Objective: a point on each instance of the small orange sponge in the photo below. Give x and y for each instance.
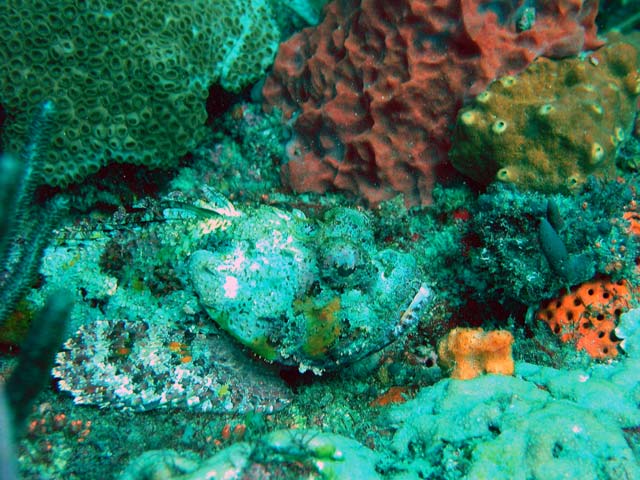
(469, 352)
(588, 316)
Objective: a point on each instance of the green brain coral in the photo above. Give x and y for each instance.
(128, 79)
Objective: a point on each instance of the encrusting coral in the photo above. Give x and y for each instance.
(553, 125)
(469, 352)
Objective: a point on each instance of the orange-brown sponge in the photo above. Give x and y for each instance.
(469, 352)
(588, 316)
(553, 125)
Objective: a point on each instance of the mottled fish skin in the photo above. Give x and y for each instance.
(141, 366)
(315, 295)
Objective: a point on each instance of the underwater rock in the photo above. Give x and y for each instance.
(307, 295)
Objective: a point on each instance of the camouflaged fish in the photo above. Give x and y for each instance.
(314, 295)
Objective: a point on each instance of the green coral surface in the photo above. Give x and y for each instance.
(128, 80)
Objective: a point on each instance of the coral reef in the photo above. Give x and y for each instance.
(470, 352)
(277, 455)
(372, 90)
(552, 125)
(315, 297)
(588, 316)
(129, 80)
(508, 259)
(200, 327)
(543, 423)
